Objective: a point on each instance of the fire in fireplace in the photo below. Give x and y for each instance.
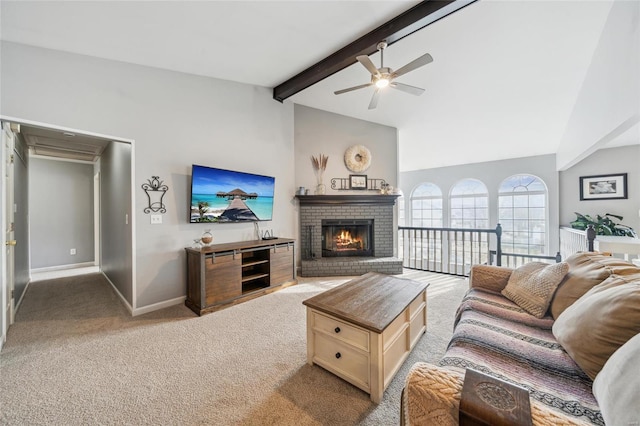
(347, 237)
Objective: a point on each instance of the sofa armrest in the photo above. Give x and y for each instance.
(432, 397)
(489, 277)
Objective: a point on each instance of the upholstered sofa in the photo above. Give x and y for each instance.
(588, 329)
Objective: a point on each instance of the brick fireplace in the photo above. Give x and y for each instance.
(347, 235)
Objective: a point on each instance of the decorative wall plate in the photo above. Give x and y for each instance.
(357, 158)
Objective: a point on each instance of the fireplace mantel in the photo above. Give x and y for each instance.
(377, 199)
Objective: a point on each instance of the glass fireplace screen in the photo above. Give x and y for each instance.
(347, 237)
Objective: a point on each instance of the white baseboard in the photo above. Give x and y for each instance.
(129, 308)
(61, 267)
(149, 308)
(17, 306)
(159, 305)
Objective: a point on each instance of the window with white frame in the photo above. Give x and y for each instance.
(401, 210)
(426, 206)
(522, 212)
(469, 202)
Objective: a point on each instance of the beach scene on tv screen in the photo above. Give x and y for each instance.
(226, 196)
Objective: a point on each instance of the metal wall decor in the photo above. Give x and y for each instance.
(343, 184)
(155, 190)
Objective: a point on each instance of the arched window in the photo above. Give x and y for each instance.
(426, 206)
(522, 212)
(469, 205)
(401, 210)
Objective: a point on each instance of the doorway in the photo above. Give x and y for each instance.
(50, 143)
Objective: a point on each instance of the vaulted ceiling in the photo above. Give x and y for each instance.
(504, 82)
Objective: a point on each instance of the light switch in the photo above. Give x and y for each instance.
(156, 219)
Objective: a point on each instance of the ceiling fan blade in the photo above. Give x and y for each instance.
(349, 89)
(416, 63)
(374, 99)
(366, 62)
(408, 89)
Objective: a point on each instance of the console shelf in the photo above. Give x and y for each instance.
(253, 277)
(222, 275)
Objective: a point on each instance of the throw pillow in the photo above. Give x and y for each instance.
(586, 270)
(532, 285)
(598, 323)
(617, 388)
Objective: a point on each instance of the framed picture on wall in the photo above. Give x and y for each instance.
(357, 181)
(603, 187)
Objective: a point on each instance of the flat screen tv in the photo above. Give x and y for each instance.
(225, 196)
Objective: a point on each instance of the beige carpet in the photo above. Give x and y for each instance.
(75, 357)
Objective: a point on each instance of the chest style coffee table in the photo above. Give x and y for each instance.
(363, 330)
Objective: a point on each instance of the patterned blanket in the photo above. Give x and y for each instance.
(495, 336)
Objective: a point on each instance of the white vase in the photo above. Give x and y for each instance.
(320, 189)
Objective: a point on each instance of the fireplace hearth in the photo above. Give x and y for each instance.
(348, 248)
(347, 237)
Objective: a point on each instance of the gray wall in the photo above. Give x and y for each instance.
(605, 161)
(176, 120)
(492, 173)
(322, 132)
(61, 200)
(115, 217)
(21, 217)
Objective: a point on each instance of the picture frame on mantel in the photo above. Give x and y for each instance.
(358, 182)
(603, 187)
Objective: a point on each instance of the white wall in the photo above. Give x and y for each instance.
(491, 173)
(605, 161)
(609, 100)
(175, 120)
(61, 212)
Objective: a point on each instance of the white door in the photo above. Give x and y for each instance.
(7, 223)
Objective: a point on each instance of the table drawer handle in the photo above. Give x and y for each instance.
(337, 330)
(338, 355)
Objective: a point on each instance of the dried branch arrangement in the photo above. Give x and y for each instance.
(319, 163)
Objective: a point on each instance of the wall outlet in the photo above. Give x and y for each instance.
(72, 252)
(156, 219)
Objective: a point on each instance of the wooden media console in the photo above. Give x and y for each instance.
(221, 275)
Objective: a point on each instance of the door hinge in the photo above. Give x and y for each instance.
(11, 158)
(12, 292)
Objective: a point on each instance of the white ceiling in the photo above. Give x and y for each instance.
(503, 84)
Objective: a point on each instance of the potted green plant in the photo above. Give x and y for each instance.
(603, 225)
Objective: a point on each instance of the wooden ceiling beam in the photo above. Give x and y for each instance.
(414, 19)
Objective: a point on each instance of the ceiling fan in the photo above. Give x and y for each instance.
(384, 77)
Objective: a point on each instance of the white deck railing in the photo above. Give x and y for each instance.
(574, 240)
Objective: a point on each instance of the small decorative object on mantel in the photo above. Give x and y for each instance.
(358, 181)
(155, 190)
(319, 166)
(386, 189)
(603, 187)
(357, 158)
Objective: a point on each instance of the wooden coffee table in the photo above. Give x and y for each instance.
(363, 330)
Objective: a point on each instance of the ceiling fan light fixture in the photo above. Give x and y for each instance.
(384, 77)
(381, 83)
